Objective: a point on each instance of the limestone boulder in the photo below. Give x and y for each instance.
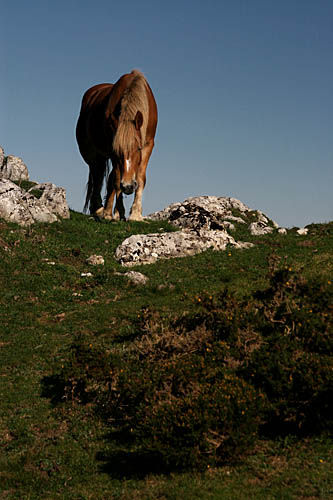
(148, 248)
(16, 205)
(135, 277)
(13, 168)
(43, 202)
(54, 198)
(211, 213)
(260, 228)
(205, 222)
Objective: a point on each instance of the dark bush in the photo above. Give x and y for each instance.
(197, 390)
(293, 365)
(190, 410)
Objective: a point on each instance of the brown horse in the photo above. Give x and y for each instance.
(117, 122)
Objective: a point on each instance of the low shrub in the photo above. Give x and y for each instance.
(199, 389)
(189, 410)
(293, 365)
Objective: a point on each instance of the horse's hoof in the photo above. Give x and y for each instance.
(99, 212)
(135, 218)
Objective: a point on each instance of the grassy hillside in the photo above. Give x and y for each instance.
(62, 334)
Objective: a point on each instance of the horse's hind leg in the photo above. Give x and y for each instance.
(95, 183)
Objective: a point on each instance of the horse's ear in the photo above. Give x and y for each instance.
(138, 120)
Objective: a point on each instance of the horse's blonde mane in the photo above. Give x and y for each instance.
(134, 99)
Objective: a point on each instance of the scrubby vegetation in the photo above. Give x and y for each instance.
(200, 389)
(212, 381)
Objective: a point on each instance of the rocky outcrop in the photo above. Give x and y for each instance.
(148, 248)
(41, 203)
(53, 197)
(205, 222)
(17, 169)
(214, 213)
(22, 207)
(13, 168)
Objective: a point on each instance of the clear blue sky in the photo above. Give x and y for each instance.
(244, 90)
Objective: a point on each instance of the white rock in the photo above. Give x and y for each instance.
(245, 244)
(18, 206)
(260, 228)
(210, 213)
(95, 260)
(204, 222)
(136, 278)
(302, 231)
(229, 225)
(234, 219)
(13, 168)
(54, 198)
(2, 157)
(261, 217)
(147, 248)
(39, 212)
(282, 230)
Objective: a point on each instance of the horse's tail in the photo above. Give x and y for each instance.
(94, 185)
(89, 190)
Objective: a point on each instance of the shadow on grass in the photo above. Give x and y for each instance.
(57, 390)
(118, 464)
(130, 465)
(53, 388)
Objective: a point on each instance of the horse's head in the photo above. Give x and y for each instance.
(128, 149)
(128, 182)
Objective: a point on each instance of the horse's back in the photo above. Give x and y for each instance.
(95, 96)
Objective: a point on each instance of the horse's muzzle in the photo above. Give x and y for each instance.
(128, 188)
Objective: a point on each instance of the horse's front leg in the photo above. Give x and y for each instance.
(119, 209)
(136, 210)
(113, 189)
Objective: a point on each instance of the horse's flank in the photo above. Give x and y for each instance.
(134, 99)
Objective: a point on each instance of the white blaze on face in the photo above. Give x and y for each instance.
(128, 165)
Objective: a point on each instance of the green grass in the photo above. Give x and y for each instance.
(60, 451)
